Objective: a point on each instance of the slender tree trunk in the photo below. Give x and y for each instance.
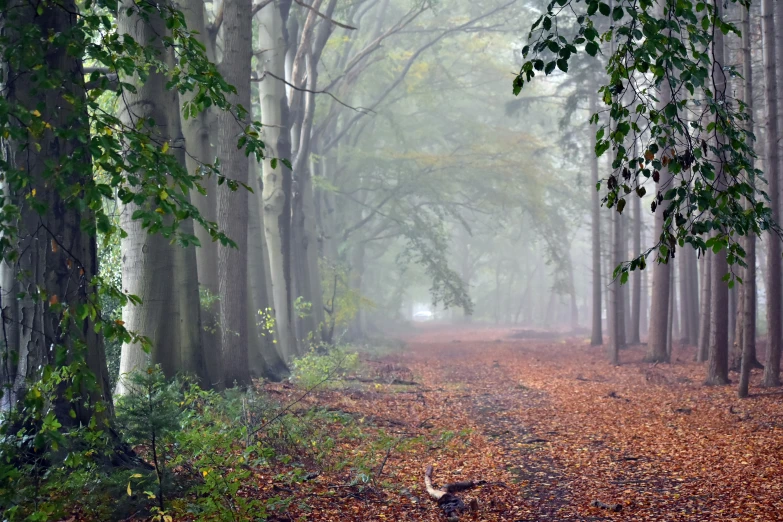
(735, 348)
(685, 296)
(659, 309)
(265, 360)
(769, 36)
(670, 323)
(232, 206)
(618, 326)
(692, 279)
(199, 140)
(706, 308)
(191, 357)
(644, 309)
(636, 304)
(596, 337)
(747, 323)
(659, 316)
(732, 324)
(673, 304)
(277, 180)
(718, 371)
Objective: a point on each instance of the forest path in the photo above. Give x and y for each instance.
(651, 438)
(560, 427)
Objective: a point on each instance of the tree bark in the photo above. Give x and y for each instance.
(232, 206)
(149, 260)
(769, 37)
(265, 360)
(58, 254)
(636, 303)
(596, 336)
(617, 341)
(200, 143)
(659, 309)
(718, 371)
(706, 308)
(747, 323)
(277, 182)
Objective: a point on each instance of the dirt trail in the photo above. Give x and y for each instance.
(561, 428)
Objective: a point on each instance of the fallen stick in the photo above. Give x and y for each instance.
(451, 505)
(611, 507)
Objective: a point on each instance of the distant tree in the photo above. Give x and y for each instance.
(747, 325)
(718, 372)
(769, 39)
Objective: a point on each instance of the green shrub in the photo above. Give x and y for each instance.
(316, 368)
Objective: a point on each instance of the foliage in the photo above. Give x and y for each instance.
(45, 471)
(150, 415)
(663, 91)
(342, 302)
(322, 365)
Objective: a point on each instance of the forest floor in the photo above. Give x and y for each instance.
(551, 427)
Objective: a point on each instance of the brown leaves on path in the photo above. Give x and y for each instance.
(567, 435)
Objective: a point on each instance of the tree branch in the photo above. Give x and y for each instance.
(302, 89)
(318, 13)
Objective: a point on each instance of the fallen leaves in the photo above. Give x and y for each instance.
(569, 436)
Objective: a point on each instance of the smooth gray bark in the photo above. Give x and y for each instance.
(232, 206)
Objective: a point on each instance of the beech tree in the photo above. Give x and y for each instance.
(77, 154)
(168, 316)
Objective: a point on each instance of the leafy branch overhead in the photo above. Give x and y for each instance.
(671, 124)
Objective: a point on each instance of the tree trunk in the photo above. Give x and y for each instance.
(57, 253)
(718, 371)
(596, 336)
(265, 360)
(747, 322)
(735, 341)
(232, 206)
(670, 322)
(659, 309)
(706, 308)
(692, 280)
(618, 325)
(148, 260)
(769, 35)
(277, 181)
(198, 132)
(636, 303)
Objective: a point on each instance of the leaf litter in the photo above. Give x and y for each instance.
(554, 431)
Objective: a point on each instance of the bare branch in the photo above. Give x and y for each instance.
(302, 89)
(335, 22)
(260, 5)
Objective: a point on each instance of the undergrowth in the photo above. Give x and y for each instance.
(201, 455)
